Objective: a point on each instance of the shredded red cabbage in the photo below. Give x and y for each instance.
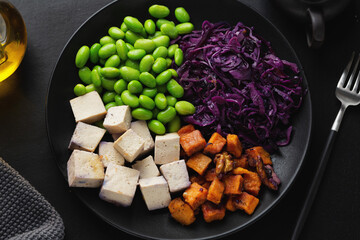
(238, 85)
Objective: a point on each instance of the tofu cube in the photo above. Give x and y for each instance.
(155, 192)
(167, 148)
(141, 129)
(109, 154)
(147, 167)
(118, 119)
(130, 145)
(85, 169)
(119, 185)
(176, 175)
(88, 108)
(86, 137)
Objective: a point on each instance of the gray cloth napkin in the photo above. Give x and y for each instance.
(24, 212)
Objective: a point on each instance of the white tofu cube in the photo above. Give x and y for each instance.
(119, 185)
(118, 119)
(155, 192)
(130, 145)
(141, 129)
(176, 175)
(85, 169)
(147, 167)
(86, 137)
(109, 154)
(167, 148)
(88, 108)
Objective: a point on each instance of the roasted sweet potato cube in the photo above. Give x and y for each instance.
(259, 151)
(181, 211)
(233, 145)
(215, 144)
(199, 162)
(195, 195)
(212, 212)
(216, 191)
(229, 204)
(210, 174)
(186, 129)
(233, 184)
(192, 142)
(206, 185)
(252, 181)
(246, 202)
(240, 170)
(197, 178)
(241, 162)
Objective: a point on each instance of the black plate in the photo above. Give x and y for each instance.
(137, 219)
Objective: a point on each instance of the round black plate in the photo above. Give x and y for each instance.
(137, 219)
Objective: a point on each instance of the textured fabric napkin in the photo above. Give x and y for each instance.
(24, 212)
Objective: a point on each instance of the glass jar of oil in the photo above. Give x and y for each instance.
(13, 39)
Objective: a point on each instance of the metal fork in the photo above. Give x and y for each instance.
(347, 91)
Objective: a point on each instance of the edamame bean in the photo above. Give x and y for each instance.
(136, 54)
(120, 86)
(132, 63)
(135, 87)
(147, 79)
(174, 125)
(174, 88)
(102, 61)
(147, 44)
(185, 108)
(91, 87)
(121, 49)
(79, 89)
(133, 24)
(163, 77)
(161, 88)
(118, 100)
(107, 50)
(159, 11)
(155, 112)
(123, 27)
(169, 30)
(162, 40)
(113, 61)
(82, 56)
(85, 75)
(141, 114)
(160, 52)
(108, 96)
(129, 46)
(110, 105)
(150, 26)
(131, 37)
(178, 57)
(160, 101)
(94, 51)
(157, 33)
(160, 22)
(96, 77)
(116, 33)
(168, 62)
(171, 100)
(156, 127)
(146, 102)
(106, 40)
(146, 63)
(129, 73)
(166, 115)
(159, 65)
(182, 15)
(108, 84)
(174, 73)
(171, 50)
(110, 72)
(129, 99)
(150, 92)
(184, 28)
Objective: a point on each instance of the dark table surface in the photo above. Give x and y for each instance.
(24, 144)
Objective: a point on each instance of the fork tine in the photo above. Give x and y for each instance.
(345, 72)
(351, 79)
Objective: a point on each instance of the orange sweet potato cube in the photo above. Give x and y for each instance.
(215, 144)
(199, 162)
(181, 211)
(233, 184)
(212, 212)
(206, 185)
(246, 202)
(241, 162)
(192, 142)
(216, 191)
(229, 204)
(195, 195)
(186, 129)
(210, 174)
(233, 145)
(252, 181)
(259, 151)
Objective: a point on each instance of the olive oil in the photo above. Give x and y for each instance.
(13, 39)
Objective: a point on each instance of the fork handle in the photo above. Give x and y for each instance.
(314, 185)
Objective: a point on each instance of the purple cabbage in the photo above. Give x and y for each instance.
(238, 85)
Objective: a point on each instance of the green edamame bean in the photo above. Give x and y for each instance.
(175, 89)
(110, 105)
(169, 30)
(171, 50)
(97, 67)
(147, 44)
(160, 52)
(185, 108)
(178, 57)
(129, 46)
(118, 100)
(166, 115)
(102, 61)
(162, 21)
(136, 54)
(168, 62)
(85, 75)
(163, 77)
(174, 125)
(161, 88)
(162, 40)
(132, 63)
(141, 114)
(113, 61)
(131, 37)
(171, 100)
(174, 73)
(121, 49)
(146, 102)
(120, 86)
(129, 73)
(96, 77)
(135, 87)
(94, 51)
(116, 33)
(150, 92)
(110, 72)
(133, 24)
(144, 33)
(147, 79)
(157, 33)
(184, 28)
(160, 101)
(159, 11)
(107, 50)
(129, 99)
(92, 87)
(155, 112)
(123, 27)
(106, 40)
(159, 65)
(156, 127)
(182, 15)
(82, 56)
(108, 84)
(150, 26)
(79, 89)
(108, 96)
(146, 63)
